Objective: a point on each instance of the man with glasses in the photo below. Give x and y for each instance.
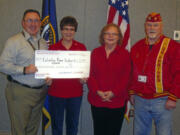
(25, 95)
(156, 79)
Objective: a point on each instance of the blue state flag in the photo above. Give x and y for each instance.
(49, 32)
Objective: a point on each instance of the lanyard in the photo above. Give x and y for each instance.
(149, 51)
(146, 60)
(31, 43)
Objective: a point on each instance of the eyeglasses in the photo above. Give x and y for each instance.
(32, 21)
(69, 29)
(109, 34)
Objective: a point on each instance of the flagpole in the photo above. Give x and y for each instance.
(43, 124)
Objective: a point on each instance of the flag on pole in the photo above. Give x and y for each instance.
(118, 14)
(49, 32)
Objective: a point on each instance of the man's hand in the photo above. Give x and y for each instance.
(30, 69)
(132, 99)
(170, 104)
(48, 81)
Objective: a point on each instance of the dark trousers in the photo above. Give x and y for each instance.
(107, 121)
(72, 108)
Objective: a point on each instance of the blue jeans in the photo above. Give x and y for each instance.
(147, 110)
(72, 108)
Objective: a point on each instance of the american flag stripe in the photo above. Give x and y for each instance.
(126, 38)
(118, 14)
(111, 14)
(120, 20)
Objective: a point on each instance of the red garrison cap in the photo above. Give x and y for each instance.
(154, 17)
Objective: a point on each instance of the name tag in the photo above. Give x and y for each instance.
(142, 78)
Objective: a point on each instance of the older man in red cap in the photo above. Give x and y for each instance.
(156, 79)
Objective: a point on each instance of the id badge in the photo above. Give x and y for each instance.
(142, 78)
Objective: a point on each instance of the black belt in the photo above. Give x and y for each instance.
(12, 80)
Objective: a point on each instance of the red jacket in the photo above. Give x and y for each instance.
(66, 88)
(109, 74)
(147, 61)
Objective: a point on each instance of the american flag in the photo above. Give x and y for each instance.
(118, 14)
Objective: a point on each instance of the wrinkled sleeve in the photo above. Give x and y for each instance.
(175, 71)
(92, 81)
(124, 78)
(133, 81)
(8, 60)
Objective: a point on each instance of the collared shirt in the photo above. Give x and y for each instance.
(66, 88)
(145, 64)
(17, 54)
(109, 74)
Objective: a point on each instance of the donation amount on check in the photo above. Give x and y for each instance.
(62, 64)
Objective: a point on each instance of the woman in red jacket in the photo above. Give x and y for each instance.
(65, 95)
(108, 81)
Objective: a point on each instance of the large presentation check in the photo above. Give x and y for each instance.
(62, 64)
